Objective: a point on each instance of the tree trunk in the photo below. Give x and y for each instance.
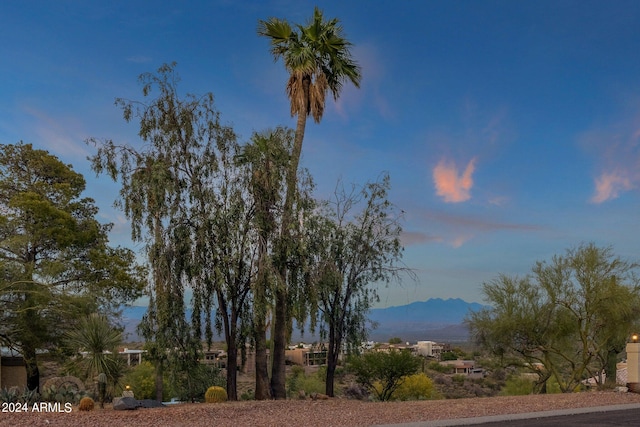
(159, 380)
(31, 365)
(232, 369)
(278, 374)
(278, 369)
(262, 371)
(611, 368)
(332, 362)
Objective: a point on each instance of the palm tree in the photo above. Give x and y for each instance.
(267, 155)
(318, 59)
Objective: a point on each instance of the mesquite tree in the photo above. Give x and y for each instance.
(352, 252)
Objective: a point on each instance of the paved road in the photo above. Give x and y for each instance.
(607, 416)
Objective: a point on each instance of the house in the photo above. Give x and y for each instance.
(466, 367)
(12, 370)
(307, 355)
(430, 349)
(133, 357)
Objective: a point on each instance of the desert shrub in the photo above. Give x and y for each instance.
(248, 395)
(517, 385)
(299, 380)
(142, 380)
(86, 404)
(385, 369)
(415, 387)
(192, 385)
(436, 366)
(458, 379)
(355, 391)
(215, 394)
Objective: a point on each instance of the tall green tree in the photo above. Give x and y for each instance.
(318, 59)
(57, 263)
(187, 200)
(352, 253)
(267, 156)
(569, 320)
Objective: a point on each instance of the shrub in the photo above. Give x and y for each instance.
(517, 385)
(387, 369)
(86, 404)
(215, 394)
(298, 380)
(415, 387)
(142, 379)
(192, 385)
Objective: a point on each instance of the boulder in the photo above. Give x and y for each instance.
(126, 403)
(150, 403)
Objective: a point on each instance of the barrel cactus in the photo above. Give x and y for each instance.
(86, 404)
(215, 394)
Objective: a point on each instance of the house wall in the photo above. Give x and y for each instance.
(12, 373)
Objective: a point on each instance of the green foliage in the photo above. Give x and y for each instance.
(569, 319)
(215, 394)
(186, 199)
(350, 251)
(318, 59)
(98, 339)
(436, 366)
(57, 263)
(448, 355)
(415, 387)
(192, 385)
(141, 379)
(298, 380)
(518, 385)
(395, 340)
(388, 369)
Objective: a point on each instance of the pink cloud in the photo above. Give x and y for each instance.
(609, 185)
(453, 188)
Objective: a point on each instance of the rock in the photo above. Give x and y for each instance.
(150, 403)
(301, 395)
(318, 396)
(125, 404)
(621, 389)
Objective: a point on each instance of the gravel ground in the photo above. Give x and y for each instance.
(333, 412)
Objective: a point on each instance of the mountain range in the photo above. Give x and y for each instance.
(435, 319)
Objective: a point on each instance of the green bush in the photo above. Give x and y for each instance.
(192, 385)
(142, 379)
(517, 385)
(299, 380)
(415, 387)
(385, 369)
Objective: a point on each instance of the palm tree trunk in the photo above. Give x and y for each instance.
(278, 373)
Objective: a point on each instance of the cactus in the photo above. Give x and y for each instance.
(86, 404)
(215, 394)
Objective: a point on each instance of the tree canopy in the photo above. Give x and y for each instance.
(57, 263)
(568, 320)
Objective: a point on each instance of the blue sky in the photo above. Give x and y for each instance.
(510, 130)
